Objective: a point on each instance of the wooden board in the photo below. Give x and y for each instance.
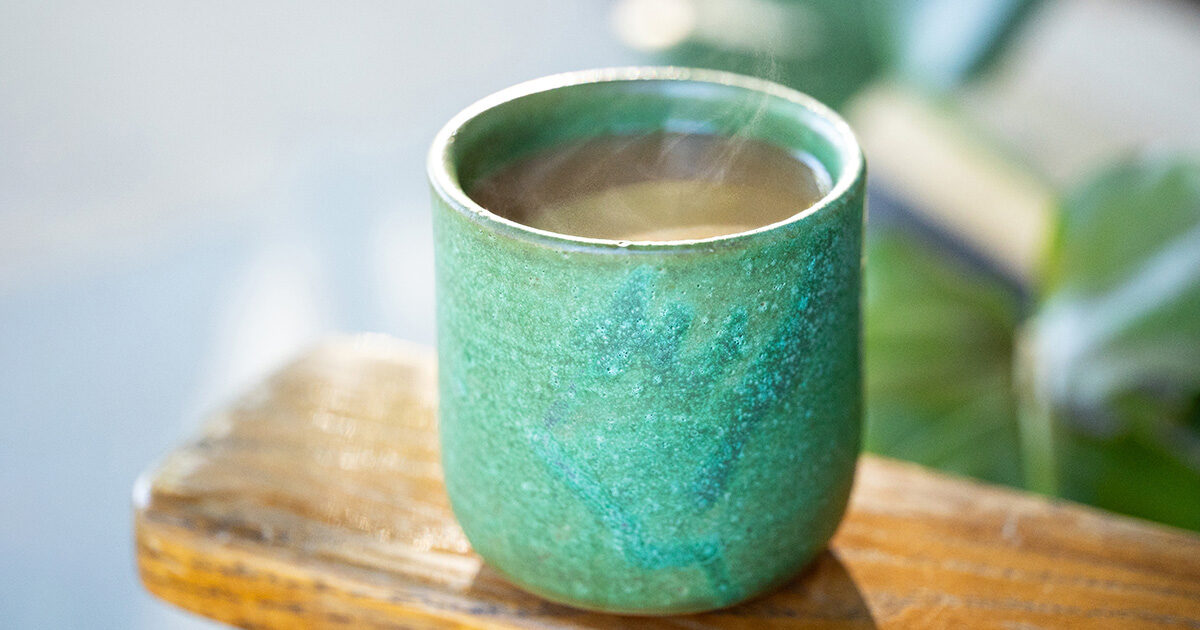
(316, 501)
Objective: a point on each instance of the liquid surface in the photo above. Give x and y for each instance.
(655, 187)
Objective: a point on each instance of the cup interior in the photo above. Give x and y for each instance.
(539, 115)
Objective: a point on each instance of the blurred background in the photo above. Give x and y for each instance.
(191, 193)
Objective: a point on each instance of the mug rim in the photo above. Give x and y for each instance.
(445, 182)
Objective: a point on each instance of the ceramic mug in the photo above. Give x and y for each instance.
(647, 427)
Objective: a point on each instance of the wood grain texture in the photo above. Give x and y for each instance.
(316, 501)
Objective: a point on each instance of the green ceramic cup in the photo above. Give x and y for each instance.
(648, 427)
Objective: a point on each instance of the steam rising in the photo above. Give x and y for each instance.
(657, 186)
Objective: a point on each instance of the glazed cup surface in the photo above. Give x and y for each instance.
(649, 427)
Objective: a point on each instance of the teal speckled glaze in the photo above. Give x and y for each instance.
(648, 427)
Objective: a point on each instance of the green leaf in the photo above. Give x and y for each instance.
(830, 49)
(939, 338)
(1114, 349)
(941, 43)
